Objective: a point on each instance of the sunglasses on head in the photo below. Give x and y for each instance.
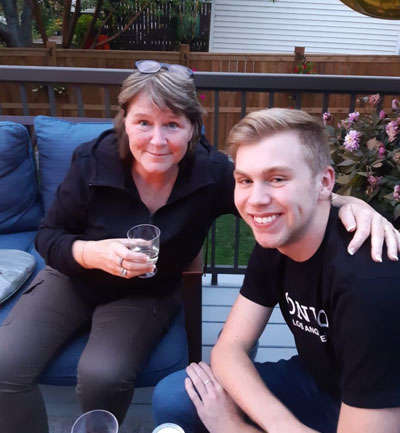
(152, 67)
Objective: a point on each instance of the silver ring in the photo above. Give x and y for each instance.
(206, 381)
(123, 272)
(121, 259)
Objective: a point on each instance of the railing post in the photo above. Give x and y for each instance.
(184, 50)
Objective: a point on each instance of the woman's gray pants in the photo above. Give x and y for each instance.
(123, 335)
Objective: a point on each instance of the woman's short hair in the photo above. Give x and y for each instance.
(264, 123)
(167, 90)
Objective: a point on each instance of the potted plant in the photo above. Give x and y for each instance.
(365, 149)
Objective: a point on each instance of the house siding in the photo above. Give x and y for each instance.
(321, 26)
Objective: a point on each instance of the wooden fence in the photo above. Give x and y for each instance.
(229, 103)
(215, 62)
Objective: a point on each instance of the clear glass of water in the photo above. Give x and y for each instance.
(96, 421)
(145, 238)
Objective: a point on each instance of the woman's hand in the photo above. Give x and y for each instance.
(112, 256)
(215, 407)
(358, 216)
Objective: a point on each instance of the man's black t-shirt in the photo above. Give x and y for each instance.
(344, 312)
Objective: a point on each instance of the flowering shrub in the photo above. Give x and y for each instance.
(305, 67)
(365, 151)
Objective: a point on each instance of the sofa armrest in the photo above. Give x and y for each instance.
(192, 299)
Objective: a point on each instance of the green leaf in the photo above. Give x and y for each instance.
(346, 163)
(330, 130)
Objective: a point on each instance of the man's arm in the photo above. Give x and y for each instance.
(235, 371)
(356, 214)
(358, 420)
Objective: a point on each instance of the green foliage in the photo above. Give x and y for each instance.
(305, 67)
(365, 150)
(54, 26)
(186, 15)
(225, 241)
(81, 27)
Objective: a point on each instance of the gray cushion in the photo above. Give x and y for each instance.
(15, 268)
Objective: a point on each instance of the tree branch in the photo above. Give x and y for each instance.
(92, 24)
(73, 22)
(65, 24)
(38, 18)
(103, 24)
(126, 27)
(25, 28)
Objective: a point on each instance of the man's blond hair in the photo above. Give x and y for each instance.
(265, 123)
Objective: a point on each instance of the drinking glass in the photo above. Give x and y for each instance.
(145, 238)
(96, 421)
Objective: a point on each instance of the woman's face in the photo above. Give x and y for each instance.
(158, 139)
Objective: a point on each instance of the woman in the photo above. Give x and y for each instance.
(153, 168)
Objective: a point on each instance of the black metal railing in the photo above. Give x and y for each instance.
(216, 82)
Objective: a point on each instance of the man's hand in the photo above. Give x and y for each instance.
(215, 407)
(358, 216)
(218, 412)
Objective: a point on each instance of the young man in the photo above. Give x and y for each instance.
(341, 309)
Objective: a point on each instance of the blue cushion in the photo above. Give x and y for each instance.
(20, 241)
(20, 208)
(56, 141)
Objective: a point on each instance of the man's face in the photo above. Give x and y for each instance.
(276, 193)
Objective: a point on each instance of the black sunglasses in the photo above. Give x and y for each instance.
(152, 66)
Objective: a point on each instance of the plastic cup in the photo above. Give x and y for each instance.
(96, 421)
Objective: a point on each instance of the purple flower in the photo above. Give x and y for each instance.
(326, 117)
(353, 117)
(352, 140)
(382, 115)
(381, 150)
(373, 184)
(395, 104)
(396, 193)
(392, 129)
(374, 180)
(374, 99)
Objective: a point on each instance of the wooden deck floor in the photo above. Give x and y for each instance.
(276, 343)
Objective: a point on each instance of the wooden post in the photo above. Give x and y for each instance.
(184, 50)
(299, 56)
(51, 53)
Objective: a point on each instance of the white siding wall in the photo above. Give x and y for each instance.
(321, 26)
